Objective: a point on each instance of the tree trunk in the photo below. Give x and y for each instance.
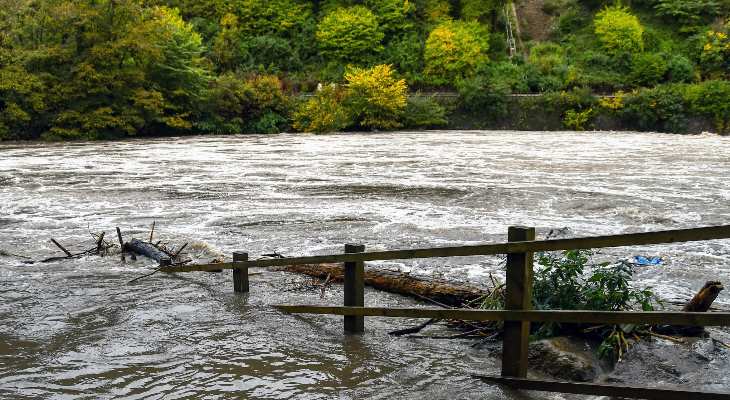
(448, 293)
(145, 249)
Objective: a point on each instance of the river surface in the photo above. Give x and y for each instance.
(76, 329)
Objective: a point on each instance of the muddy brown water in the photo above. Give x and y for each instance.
(75, 329)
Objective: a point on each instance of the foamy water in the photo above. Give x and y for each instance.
(74, 328)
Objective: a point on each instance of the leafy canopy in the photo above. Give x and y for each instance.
(619, 31)
(349, 35)
(454, 49)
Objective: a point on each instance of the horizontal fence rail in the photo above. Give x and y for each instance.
(518, 313)
(629, 239)
(598, 389)
(561, 316)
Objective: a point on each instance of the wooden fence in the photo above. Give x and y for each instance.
(517, 316)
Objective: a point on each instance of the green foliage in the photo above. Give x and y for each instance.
(376, 99)
(480, 96)
(619, 31)
(349, 35)
(325, 112)
(680, 69)
(570, 281)
(236, 105)
(405, 54)
(648, 69)
(711, 98)
(480, 10)
(423, 113)
(454, 50)
(394, 16)
(688, 13)
(715, 53)
(577, 120)
(661, 108)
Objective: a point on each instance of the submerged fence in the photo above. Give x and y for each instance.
(517, 316)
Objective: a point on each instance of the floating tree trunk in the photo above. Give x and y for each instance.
(704, 298)
(442, 291)
(145, 249)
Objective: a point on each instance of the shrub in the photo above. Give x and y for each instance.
(711, 98)
(480, 96)
(349, 35)
(394, 16)
(239, 105)
(689, 14)
(560, 282)
(375, 98)
(405, 54)
(618, 30)
(325, 112)
(577, 120)
(454, 50)
(648, 69)
(661, 108)
(548, 57)
(424, 112)
(715, 54)
(680, 69)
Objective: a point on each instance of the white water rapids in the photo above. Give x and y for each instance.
(74, 329)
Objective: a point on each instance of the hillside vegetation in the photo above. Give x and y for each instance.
(111, 69)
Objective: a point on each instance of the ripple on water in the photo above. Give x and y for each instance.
(75, 329)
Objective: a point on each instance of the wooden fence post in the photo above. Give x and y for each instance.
(354, 289)
(518, 297)
(240, 275)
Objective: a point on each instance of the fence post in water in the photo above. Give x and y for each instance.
(240, 275)
(518, 297)
(354, 289)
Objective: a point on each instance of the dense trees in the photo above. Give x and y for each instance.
(91, 69)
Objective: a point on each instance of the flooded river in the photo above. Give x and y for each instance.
(76, 329)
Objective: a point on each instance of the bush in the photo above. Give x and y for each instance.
(618, 30)
(689, 14)
(238, 105)
(549, 58)
(680, 69)
(560, 283)
(394, 16)
(405, 54)
(325, 112)
(375, 98)
(648, 69)
(423, 113)
(711, 98)
(715, 54)
(349, 35)
(577, 120)
(454, 50)
(480, 96)
(661, 108)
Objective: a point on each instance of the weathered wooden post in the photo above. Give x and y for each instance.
(518, 297)
(354, 289)
(240, 274)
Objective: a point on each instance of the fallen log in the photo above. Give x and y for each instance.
(145, 249)
(701, 302)
(442, 291)
(704, 298)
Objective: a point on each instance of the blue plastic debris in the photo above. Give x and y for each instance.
(641, 260)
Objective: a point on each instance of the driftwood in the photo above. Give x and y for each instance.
(145, 249)
(704, 298)
(445, 292)
(701, 302)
